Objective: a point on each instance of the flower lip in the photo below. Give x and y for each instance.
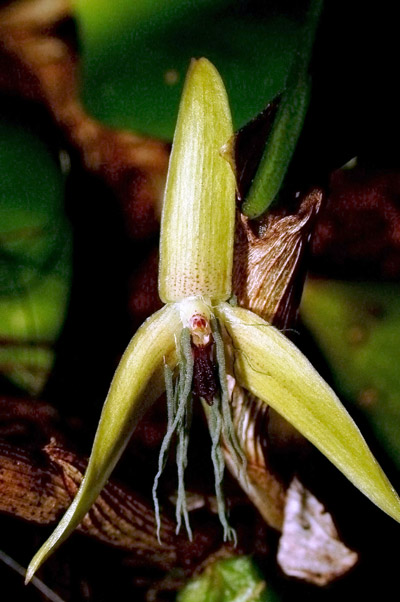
(200, 329)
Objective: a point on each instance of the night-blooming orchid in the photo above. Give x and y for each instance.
(198, 339)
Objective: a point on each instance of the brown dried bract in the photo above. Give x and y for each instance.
(269, 260)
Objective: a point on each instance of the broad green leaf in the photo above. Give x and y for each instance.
(135, 55)
(35, 254)
(231, 580)
(273, 369)
(197, 225)
(357, 326)
(137, 383)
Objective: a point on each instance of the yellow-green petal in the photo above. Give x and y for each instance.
(138, 381)
(273, 369)
(197, 226)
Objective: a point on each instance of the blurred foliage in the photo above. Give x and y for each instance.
(357, 327)
(35, 255)
(135, 56)
(232, 580)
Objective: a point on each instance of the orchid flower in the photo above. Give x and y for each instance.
(191, 346)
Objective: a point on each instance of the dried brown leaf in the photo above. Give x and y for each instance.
(39, 488)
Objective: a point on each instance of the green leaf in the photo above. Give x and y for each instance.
(35, 312)
(279, 149)
(198, 220)
(287, 125)
(273, 369)
(135, 55)
(357, 326)
(32, 192)
(231, 580)
(30, 323)
(35, 254)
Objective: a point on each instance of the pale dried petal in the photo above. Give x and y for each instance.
(309, 547)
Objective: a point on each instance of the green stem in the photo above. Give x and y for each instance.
(287, 125)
